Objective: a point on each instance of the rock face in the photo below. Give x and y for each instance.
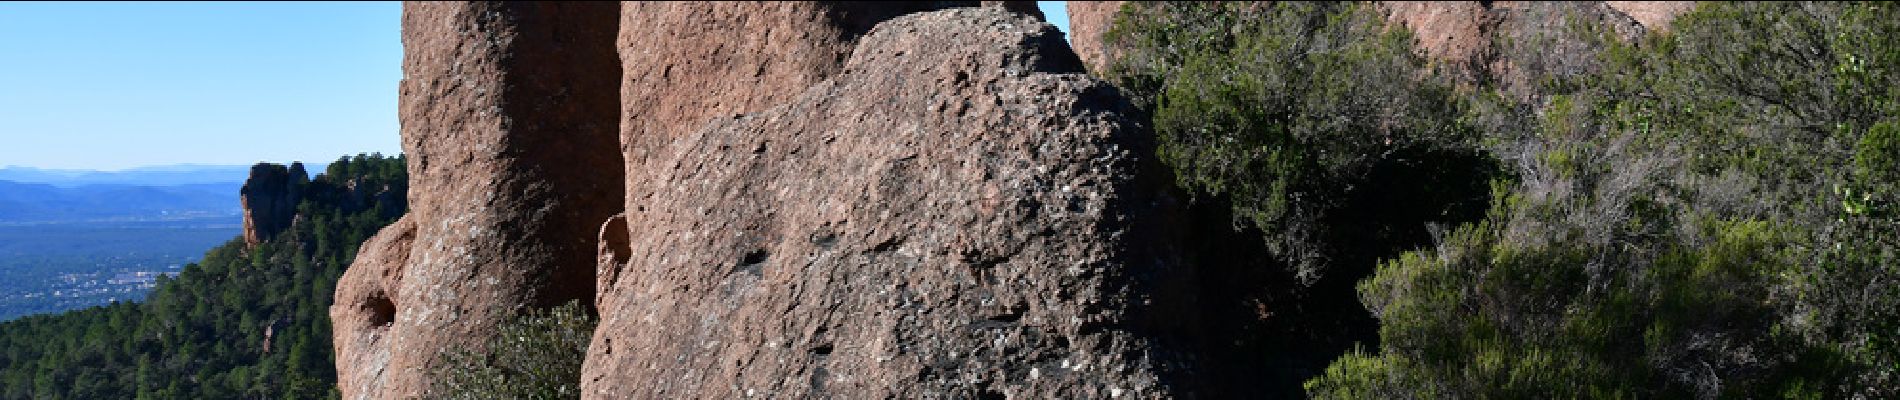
(1469, 36)
(365, 310)
(957, 212)
(270, 197)
(509, 122)
(686, 63)
(1088, 20)
(1654, 15)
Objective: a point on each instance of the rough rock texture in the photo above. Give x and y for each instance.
(1654, 15)
(1459, 31)
(686, 63)
(958, 212)
(1515, 44)
(1088, 20)
(365, 308)
(270, 198)
(1464, 31)
(509, 121)
(1022, 7)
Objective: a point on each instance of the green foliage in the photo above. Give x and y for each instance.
(536, 355)
(1704, 217)
(1852, 297)
(1290, 110)
(203, 333)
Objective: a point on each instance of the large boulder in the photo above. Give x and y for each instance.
(957, 211)
(508, 119)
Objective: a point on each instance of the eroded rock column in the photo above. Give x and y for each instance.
(269, 198)
(509, 119)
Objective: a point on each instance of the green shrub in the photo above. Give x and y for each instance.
(536, 355)
(1290, 110)
(1700, 218)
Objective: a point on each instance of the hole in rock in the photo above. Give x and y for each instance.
(753, 262)
(382, 312)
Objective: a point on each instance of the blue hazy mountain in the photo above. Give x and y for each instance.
(167, 175)
(40, 202)
(173, 192)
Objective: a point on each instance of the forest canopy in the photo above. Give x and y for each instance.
(1705, 211)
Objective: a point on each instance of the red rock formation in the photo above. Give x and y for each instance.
(365, 309)
(1654, 15)
(1088, 20)
(270, 197)
(686, 63)
(1022, 7)
(1466, 35)
(508, 119)
(957, 212)
(1448, 30)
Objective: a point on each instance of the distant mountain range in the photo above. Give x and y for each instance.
(39, 202)
(34, 195)
(168, 175)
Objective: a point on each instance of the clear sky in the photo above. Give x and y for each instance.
(118, 85)
(1057, 12)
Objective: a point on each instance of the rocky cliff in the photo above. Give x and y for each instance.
(270, 197)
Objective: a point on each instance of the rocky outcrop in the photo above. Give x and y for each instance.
(1088, 20)
(1514, 44)
(365, 310)
(1457, 31)
(270, 197)
(1020, 7)
(1654, 15)
(512, 119)
(509, 122)
(686, 63)
(956, 212)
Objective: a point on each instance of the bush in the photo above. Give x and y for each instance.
(1701, 218)
(536, 355)
(1291, 110)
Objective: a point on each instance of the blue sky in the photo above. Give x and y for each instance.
(115, 85)
(120, 85)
